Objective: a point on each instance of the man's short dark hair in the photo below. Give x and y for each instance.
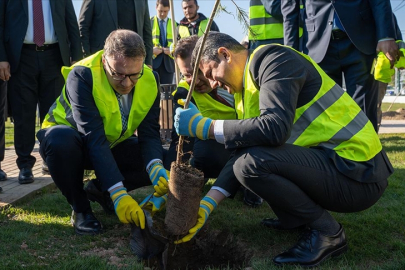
(164, 3)
(185, 46)
(124, 43)
(214, 41)
(195, 1)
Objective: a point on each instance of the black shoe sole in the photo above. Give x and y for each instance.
(334, 253)
(79, 232)
(27, 181)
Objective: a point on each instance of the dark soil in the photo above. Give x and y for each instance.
(217, 249)
(394, 115)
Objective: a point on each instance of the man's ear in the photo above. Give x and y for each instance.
(225, 53)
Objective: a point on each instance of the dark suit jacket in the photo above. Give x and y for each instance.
(163, 58)
(14, 23)
(98, 18)
(365, 22)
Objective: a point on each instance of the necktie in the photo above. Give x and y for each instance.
(214, 95)
(162, 32)
(123, 118)
(38, 17)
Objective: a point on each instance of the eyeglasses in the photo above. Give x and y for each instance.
(186, 76)
(120, 77)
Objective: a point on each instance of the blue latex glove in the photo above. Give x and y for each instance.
(190, 122)
(207, 205)
(126, 208)
(153, 204)
(159, 176)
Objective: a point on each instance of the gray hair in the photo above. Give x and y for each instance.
(214, 41)
(124, 43)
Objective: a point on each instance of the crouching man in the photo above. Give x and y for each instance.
(107, 96)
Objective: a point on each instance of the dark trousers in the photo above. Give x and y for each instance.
(3, 99)
(301, 183)
(37, 81)
(64, 151)
(343, 57)
(165, 76)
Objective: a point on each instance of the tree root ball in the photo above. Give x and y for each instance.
(183, 202)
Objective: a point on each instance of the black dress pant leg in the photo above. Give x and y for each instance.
(210, 157)
(301, 183)
(3, 100)
(37, 81)
(129, 160)
(62, 149)
(343, 58)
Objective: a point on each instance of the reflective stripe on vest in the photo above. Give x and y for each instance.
(208, 106)
(183, 30)
(262, 25)
(156, 32)
(106, 101)
(331, 119)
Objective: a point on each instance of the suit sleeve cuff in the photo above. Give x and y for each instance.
(219, 131)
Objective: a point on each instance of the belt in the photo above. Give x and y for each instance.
(42, 48)
(338, 34)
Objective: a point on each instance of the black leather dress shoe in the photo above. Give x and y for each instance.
(274, 223)
(251, 199)
(95, 194)
(1, 189)
(313, 248)
(45, 169)
(3, 175)
(86, 223)
(25, 176)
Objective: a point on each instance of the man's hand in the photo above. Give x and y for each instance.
(154, 204)
(207, 205)
(126, 208)
(159, 176)
(190, 122)
(390, 49)
(162, 187)
(5, 71)
(157, 50)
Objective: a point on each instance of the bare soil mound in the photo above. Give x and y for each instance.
(394, 115)
(209, 249)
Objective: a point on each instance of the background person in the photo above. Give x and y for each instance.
(343, 38)
(98, 19)
(38, 37)
(193, 23)
(162, 38)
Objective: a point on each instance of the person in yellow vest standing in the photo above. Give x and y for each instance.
(302, 144)
(106, 97)
(162, 38)
(193, 23)
(266, 23)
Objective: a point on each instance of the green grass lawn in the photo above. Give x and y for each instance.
(394, 107)
(36, 234)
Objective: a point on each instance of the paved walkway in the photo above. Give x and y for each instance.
(14, 192)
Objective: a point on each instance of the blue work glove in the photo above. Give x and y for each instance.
(159, 176)
(190, 122)
(154, 204)
(207, 205)
(126, 208)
